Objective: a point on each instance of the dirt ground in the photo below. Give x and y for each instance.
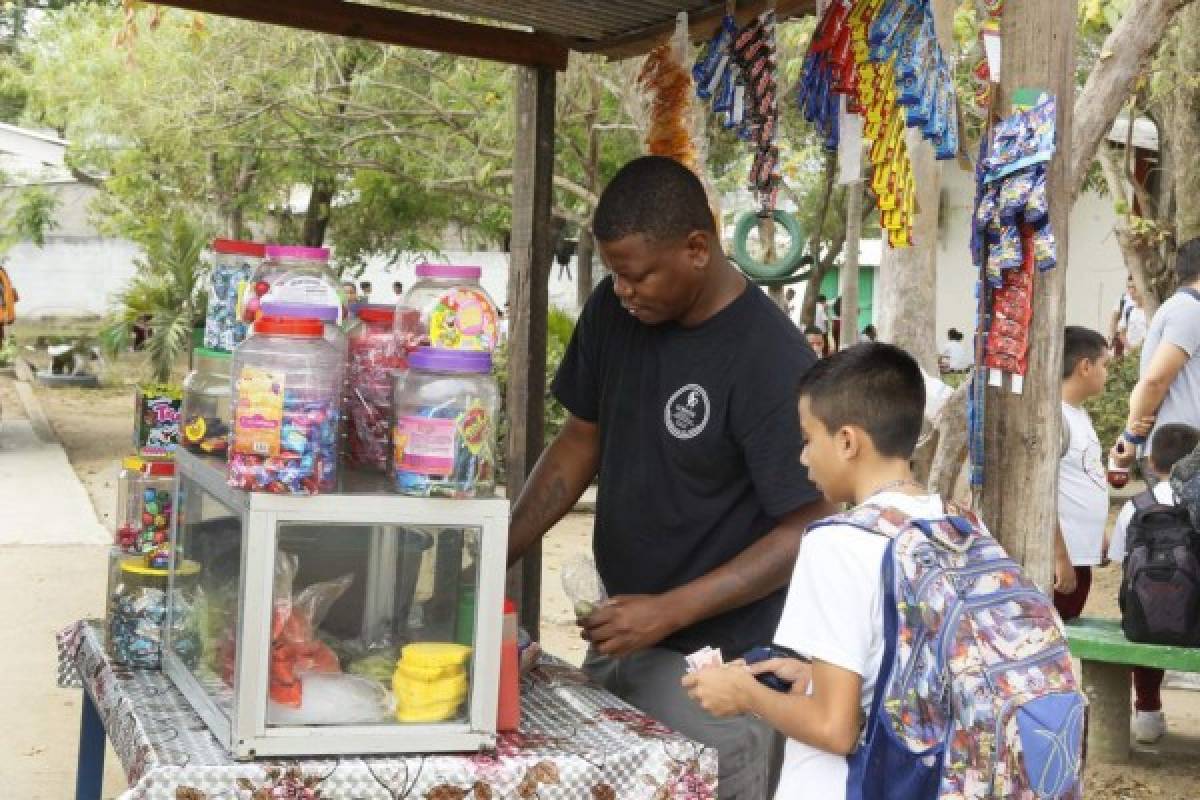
(95, 427)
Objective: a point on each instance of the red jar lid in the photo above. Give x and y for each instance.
(286, 326)
(239, 247)
(370, 312)
(159, 469)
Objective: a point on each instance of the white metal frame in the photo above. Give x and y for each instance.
(246, 734)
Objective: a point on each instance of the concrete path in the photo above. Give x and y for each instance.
(53, 562)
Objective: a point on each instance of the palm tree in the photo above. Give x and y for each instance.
(167, 291)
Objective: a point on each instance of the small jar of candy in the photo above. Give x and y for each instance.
(297, 275)
(234, 265)
(137, 611)
(444, 435)
(374, 357)
(452, 311)
(287, 388)
(144, 494)
(206, 403)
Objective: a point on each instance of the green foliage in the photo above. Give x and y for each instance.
(559, 327)
(166, 293)
(1110, 410)
(32, 215)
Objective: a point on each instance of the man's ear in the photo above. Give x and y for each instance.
(699, 248)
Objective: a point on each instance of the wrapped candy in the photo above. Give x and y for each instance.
(375, 355)
(668, 85)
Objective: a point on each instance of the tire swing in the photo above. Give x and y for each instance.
(790, 267)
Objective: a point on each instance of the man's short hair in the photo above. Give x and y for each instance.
(656, 197)
(954, 335)
(1170, 443)
(1081, 343)
(822, 299)
(874, 386)
(1187, 261)
(364, 285)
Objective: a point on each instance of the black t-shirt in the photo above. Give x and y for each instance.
(700, 447)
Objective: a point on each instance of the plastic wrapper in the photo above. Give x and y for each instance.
(295, 648)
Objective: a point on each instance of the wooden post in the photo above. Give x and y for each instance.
(1021, 432)
(528, 296)
(848, 280)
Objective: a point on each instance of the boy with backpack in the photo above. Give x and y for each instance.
(1144, 522)
(1082, 478)
(915, 622)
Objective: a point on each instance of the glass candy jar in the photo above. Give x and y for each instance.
(287, 392)
(207, 394)
(447, 308)
(374, 358)
(444, 435)
(234, 265)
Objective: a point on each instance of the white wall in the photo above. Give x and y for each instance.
(1095, 272)
(70, 277)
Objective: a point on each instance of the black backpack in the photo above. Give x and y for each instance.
(1160, 588)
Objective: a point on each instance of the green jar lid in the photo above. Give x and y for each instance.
(205, 352)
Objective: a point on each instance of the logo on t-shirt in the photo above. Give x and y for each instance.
(686, 413)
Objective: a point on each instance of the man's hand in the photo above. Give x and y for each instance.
(721, 691)
(796, 672)
(1064, 576)
(628, 623)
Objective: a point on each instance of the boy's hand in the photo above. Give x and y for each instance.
(1122, 453)
(721, 691)
(1064, 576)
(797, 673)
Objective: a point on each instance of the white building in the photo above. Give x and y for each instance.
(78, 270)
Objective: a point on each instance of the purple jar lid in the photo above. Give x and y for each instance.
(301, 311)
(291, 251)
(436, 359)
(449, 271)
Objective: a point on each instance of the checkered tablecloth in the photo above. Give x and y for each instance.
(576, 742)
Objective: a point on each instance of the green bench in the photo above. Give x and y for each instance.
(1107, 657)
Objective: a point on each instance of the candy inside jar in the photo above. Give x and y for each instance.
(137, 613)
(448, 309)
(374, 357)
(287, 384)
(235, 263)
(444, 435)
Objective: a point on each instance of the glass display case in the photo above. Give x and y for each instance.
(353, 623)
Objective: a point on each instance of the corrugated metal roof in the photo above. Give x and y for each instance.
(617, 27)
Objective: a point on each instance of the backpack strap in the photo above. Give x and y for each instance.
(1144, 500)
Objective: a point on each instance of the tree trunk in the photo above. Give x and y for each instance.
(1185, 128)
(950, 428)
(1021, 431)
(906, 313)
(1141, 257)
(316, 217)
(1124, 56)
(591, 168)
(848, 285)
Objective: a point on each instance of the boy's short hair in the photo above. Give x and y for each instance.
(1171, 443)
(813, 330)
(1081, 343)
(874, 386)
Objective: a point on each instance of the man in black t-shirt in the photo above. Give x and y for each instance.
(681, 386)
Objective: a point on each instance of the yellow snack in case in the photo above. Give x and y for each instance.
(413, 673)
(410, 693)
(434, 654)
(438, 712)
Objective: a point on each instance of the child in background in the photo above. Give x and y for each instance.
(1170, 443)
(861, 412)
(1082, 479)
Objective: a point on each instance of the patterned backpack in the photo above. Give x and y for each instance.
(976, 697)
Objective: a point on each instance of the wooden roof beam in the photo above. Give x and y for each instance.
(389, 26)
(701, 26)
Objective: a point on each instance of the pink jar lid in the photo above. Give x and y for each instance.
(292, 251)
(449, 271)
